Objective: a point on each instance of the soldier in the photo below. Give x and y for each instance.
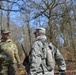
(9, 58)
(37, 66)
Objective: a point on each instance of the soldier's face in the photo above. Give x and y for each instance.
(36, 34)
(5, 36)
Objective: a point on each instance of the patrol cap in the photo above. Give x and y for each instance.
(40, 30)
(5, 31)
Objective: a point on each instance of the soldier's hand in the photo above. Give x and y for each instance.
(62, 73)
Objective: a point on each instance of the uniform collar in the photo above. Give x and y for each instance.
(41, 37)
(8, 40)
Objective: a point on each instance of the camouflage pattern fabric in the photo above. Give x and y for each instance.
(9, 53)
(8, 70)
(12, 69)
(3, 70)
(36, 64)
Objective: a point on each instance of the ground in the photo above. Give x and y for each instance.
(71, 69)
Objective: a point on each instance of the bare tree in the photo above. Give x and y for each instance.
(8, 16)
(1, 16)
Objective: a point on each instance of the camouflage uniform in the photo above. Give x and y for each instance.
(9, 58)
(36, 67)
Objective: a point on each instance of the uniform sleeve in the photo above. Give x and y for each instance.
(35, 59)
(16, 54)
(60, 60)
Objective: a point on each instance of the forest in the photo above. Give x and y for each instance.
(22, 17)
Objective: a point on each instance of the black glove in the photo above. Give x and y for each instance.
(26, 63)
(62, 72)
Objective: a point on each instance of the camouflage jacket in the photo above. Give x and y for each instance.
(9, 52)
(36, 60)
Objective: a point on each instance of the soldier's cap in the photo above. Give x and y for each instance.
(5, 31)
(40, 30)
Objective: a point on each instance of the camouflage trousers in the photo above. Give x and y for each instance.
(8, 70)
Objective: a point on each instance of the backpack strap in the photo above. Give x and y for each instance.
(49, 65)
(53, 48)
